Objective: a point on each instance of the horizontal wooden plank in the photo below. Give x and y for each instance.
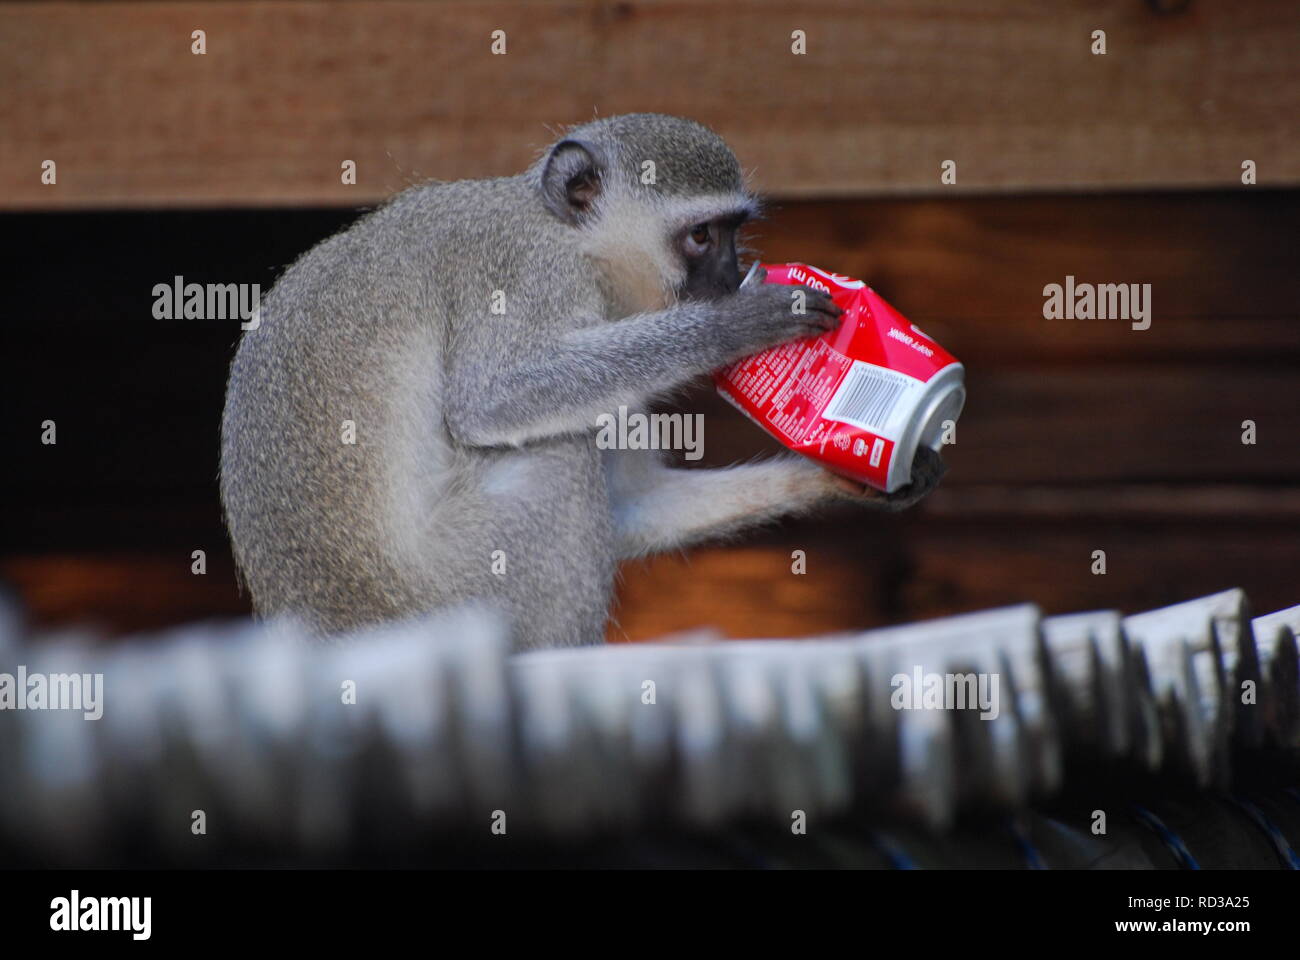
(955, 567)
(123, 592)
(934, 568)
(1223, 267)
(1248, 507)
(963, 549)
(887, 92)
(1100, 423)
(753, 591)
(1223, 270)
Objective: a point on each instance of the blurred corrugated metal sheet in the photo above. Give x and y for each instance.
(428, 730)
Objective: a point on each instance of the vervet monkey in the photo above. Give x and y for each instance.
(413, 422)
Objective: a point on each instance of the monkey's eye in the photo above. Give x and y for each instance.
(700, 234)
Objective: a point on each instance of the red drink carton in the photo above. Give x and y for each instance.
(861, 399)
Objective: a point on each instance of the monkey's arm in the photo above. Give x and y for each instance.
(566, 384)
(562, 384)
(670, 508)
(674, 508)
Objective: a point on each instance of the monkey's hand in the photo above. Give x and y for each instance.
(927, 470)
(762, 315)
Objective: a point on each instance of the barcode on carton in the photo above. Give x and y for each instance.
(875, 399)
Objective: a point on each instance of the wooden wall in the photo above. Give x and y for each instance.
(887, 90)
(1077, 436)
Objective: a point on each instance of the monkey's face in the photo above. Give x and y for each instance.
(657, 239)
(708, 251)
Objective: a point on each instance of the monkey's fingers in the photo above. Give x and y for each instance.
(822, 302)
(854, 489)
(928, 469)
(821, 312)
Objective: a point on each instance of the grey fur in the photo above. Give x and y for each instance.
(474, 430)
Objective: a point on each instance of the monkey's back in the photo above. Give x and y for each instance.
(346, 500)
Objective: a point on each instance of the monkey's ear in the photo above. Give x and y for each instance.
(571, 179)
